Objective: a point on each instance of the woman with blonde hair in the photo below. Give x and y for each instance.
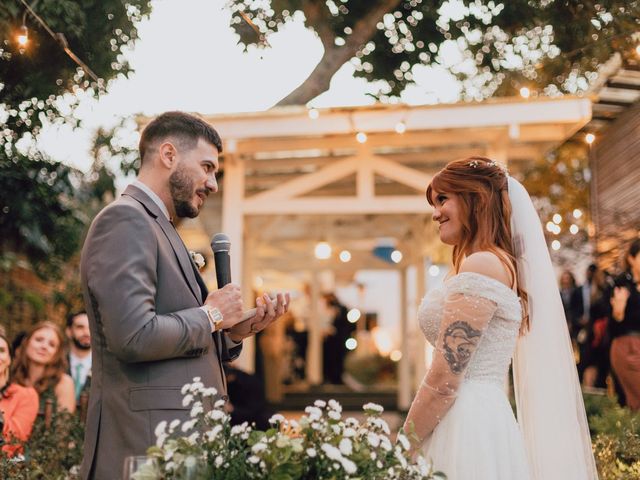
(499, 303)
(41, 363)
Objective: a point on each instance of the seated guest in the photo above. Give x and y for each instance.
(18, 406)
(41, 363)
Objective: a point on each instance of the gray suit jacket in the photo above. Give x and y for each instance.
(148, 335)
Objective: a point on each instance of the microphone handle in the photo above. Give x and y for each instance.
(223, 268)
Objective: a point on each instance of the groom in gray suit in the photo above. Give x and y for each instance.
(153, 324)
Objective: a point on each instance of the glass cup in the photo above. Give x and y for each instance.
(139, 467)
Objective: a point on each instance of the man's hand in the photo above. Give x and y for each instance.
(267, 311)
(228, 300)
(619, 302)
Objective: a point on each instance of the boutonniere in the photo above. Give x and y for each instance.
(198, 259)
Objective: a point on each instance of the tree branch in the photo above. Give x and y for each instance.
(334, 56)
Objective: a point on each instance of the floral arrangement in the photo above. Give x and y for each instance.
(322, 445)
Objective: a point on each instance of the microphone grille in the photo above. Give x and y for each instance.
(220, 243)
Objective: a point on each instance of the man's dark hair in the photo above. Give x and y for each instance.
(73, 315)
(632, 251)
(184, 128)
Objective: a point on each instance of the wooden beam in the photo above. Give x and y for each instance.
(392, 204)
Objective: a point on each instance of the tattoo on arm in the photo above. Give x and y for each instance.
(460, 340)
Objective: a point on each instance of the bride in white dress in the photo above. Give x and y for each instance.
(501, 302)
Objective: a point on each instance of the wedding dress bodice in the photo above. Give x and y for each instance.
(493, 355)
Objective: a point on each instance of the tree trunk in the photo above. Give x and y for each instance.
(334, 57)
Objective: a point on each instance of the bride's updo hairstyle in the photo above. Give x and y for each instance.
(481, 185)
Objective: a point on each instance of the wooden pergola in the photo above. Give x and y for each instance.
(349, 176)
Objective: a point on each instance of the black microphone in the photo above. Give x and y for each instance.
(220, 244)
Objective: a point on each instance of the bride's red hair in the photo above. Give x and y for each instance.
(481, 185)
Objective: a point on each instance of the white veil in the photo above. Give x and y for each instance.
(548, 396)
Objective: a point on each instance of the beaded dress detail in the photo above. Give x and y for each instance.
(477, 437)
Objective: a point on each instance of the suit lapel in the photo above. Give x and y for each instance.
(169, 231)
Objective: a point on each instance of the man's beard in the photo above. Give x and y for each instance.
(182, 191)
(79, 345)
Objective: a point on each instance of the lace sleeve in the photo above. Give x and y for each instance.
(465, 318)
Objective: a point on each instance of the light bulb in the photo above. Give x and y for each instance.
(401, 127)
(361, 137)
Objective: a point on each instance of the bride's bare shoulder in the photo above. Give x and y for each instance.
(488, 264)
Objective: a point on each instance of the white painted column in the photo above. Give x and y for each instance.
(233, 226)
(314, 346)
(404, 366)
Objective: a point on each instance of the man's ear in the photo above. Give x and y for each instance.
(167, 155)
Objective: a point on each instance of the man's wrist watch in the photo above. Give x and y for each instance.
(215, 318)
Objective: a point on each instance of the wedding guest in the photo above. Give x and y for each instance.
(79, 355)
(594, 357)
(18, 405)
(571, 297)
(625, 327)
(40, 363)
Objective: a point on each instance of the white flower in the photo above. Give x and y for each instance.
(210, 392)
(332, 452)
(196, 386)
(213, 433)
(334, 415)
(160, 440)
(276, 418)
(190, 462)
(220, 403)
(372, 407)
(216, 415)
(196, 409)
(174, 423)
(314, 413)
(386, 444)
(320, 403)
(160, 428)
(311, 452)
(373, 455)
(218, 461)
(335, 405)
(404, 441)
(253, 459)
(198, 259)
(197, 379)
(188, 425)
(348, 466)
(282, 441)
(345, 446)
(185, 388)
(193, 438)
(237, 429)
(349, 432)
(186, 401)
(374, 439)
(259, 447)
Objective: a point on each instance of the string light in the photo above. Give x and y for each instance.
(23, 37)
(577, 213)
(345, 256)
(322, 250)
(60, 39)
(525, 92)
(351, 343)
(574, 229)
(589, 138)
(396, 256)
(557, 218)
(401, 127)
(313, 113)
(353, 315)
(361, 137)
(555, 245)
(395, 356)
(638, 49)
